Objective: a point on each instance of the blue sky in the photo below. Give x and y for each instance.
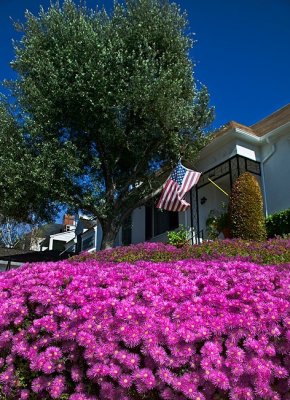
(242, 52)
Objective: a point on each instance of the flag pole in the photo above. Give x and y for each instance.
(217, 186)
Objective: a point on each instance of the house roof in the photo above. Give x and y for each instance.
(48, 229)
(260, 128)
(232, 125)
(92, 229)
(273, 121)
(87, 223)
(64, 236)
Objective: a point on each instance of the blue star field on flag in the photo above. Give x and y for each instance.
(178, 174)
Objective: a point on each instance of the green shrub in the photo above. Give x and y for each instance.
(278, 224)
(246, 209)
(218, 222)
(178, 238)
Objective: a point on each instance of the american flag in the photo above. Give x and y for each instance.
(177, 185)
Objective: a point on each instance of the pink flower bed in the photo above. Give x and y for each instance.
(181, 330)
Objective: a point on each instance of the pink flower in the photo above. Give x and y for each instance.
(184, 328)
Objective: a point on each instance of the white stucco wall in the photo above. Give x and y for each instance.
(212, 156)
(216, 153)
(249, 150)
(277, 174)
(184, 217)
(99, 236)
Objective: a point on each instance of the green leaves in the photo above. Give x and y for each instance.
(32, 171)
(180, 237)
(278, 224)
(116, 93)
(246, 209)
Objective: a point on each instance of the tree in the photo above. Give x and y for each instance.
(117, 94)
(31, 172)
(246, 209)
(11, 232)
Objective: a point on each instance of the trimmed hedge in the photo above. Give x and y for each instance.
(246, 209)
(278, 224)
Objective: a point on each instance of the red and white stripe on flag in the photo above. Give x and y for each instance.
(177, 185)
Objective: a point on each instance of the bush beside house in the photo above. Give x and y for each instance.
(278, 224)
(246, 209)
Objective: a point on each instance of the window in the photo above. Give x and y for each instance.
(148, 222)
(158, 222)
(164, 221)
(58, 245)
(79, 244)
(88, 243)
(127, 231)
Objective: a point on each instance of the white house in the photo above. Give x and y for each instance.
(52, 236)
(86, 237)
(262, 149)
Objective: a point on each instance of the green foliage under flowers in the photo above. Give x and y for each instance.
(246, 209)
(278, 224)
(273, 251)
(180, 237)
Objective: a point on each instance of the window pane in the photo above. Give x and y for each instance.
(127, 231)
(173, 220)
(89, 243)
(164, 221)
(148, 222)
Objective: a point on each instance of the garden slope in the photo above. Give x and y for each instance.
(178, 330)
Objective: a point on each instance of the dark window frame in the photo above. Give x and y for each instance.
(127, 231)
(155, 218)
(89, 240)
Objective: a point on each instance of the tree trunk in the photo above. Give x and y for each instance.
(110, 231)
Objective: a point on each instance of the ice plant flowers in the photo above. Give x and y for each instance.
(186, 329)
